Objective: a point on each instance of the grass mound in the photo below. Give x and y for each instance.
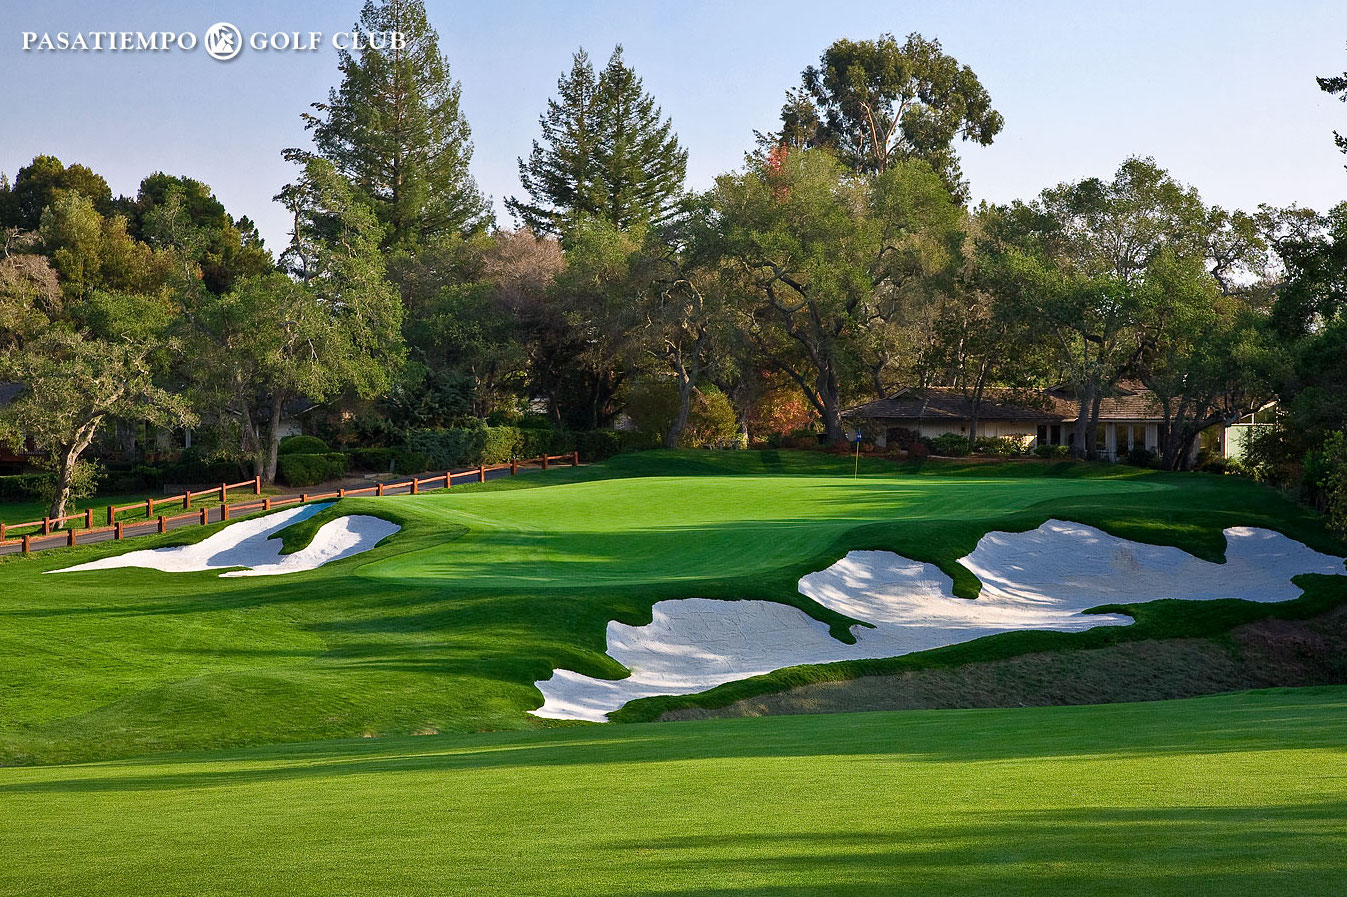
(489, 587)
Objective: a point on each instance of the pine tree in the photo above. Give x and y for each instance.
(395, 131)
(606, 152)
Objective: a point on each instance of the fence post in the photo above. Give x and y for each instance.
(448, 479)
(303, 498)
(266, 503)
(514, 466)
(224, 493)
(187, 500)
(481, 473)
(3, 527)
(575, 458)
(27, 543)
(163, 524)
(46, 526)
(415, 485)
(88, 520)
(205, 516)
(70, 536)
(111, 515)
(380, 490)
(341, 492)
(117, 528)
(257, 485)
(544, 460)
(149, 508)
(224, 512)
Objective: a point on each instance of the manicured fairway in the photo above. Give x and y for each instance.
(486, 589)
(1234, 795)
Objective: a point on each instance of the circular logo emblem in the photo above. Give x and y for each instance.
(223, 41)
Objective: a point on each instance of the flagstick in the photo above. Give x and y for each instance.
(856, 472)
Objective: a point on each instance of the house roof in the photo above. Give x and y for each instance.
(942, 403)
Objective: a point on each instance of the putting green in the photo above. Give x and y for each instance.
(486, 589)
(1232, 795)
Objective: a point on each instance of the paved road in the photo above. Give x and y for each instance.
(215, 514)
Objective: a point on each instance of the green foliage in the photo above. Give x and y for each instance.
(876, 103)
(381, 460)
(303, 445)
(40, 182)
(395, 131)
(25, 486)
(1004, 446)
(1333, 479)
(453, 447)
(949, 445)
(1052, 451)
(605, 154)
(310, 469)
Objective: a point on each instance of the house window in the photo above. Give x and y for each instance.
(1042, 434)
(1056, 438)
(1138, 435)
(1123, 432)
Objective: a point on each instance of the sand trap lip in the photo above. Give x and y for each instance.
(1042, 579)
(251, 544)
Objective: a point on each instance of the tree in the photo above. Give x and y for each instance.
(606, 152)
(334, 326)
(877, 103)
(1336, 85)
(816, 255)
(72, 385)
(36, 185)
(394, 129)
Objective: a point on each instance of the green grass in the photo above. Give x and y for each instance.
(1233, 795)
(489, 587)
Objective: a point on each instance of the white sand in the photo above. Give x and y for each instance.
(1042, 579)
(249, 544)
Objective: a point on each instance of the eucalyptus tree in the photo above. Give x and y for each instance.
(879, 102)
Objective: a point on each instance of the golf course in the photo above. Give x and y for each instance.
(187, 732)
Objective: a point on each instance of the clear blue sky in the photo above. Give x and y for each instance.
(1221, 93)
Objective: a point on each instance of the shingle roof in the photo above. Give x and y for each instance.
(936, 403)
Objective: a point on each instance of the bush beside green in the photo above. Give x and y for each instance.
(310, 469)
(25, 486)
(303, 445)
(951, 445)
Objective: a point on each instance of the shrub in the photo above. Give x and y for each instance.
(1142, 457)
(904, 439)
(919, 451)
(383, 460)
(949, 444)
(1052, 451)
(1006, 446)
(310, 469)
(501, 444)
(26, 486)
(303, 445)
(711, 420)
(448, 448)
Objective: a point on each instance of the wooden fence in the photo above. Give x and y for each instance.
(121, 529)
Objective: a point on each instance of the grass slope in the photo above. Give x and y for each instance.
(445, 626)
(1233, 795)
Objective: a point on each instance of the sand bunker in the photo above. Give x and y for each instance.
(249, 544)
(1042, 579)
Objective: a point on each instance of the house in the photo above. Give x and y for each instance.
(1128, 418)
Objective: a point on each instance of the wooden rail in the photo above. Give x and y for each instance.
(161, 522)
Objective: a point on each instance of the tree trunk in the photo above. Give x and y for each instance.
(273, 440)
(65, 469)
(1083, 419)
(1092, 432)
(831, 399)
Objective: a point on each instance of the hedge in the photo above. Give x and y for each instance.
(311, 469)
(383, 460)
(25, 486)
(950, 445)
